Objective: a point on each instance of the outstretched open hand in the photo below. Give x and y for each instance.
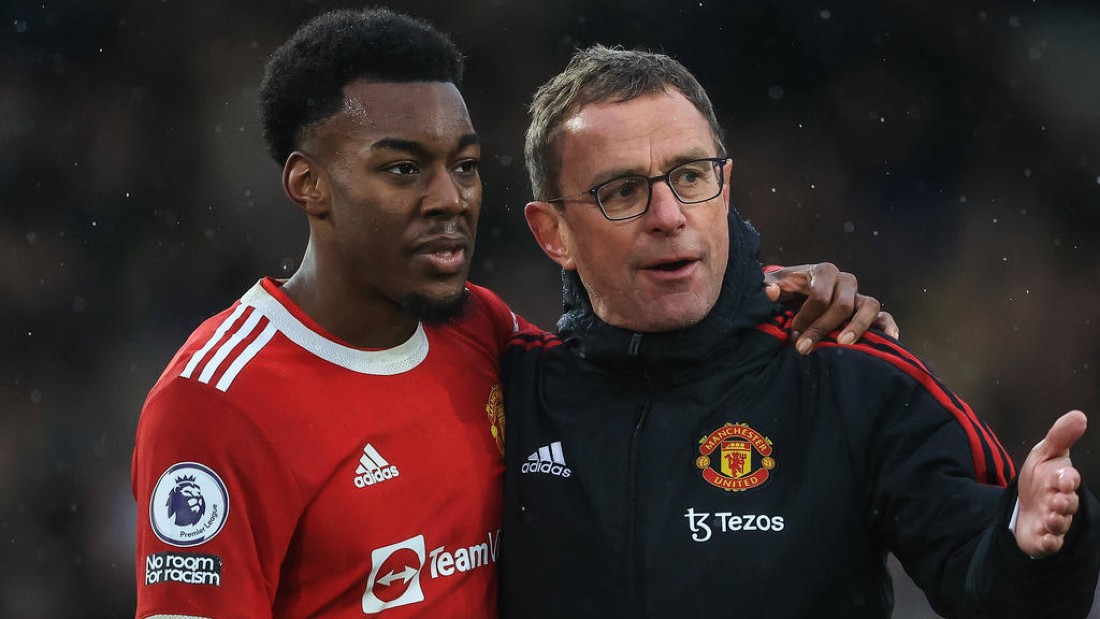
(1048, 488)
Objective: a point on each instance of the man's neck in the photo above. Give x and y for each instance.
(341, 306)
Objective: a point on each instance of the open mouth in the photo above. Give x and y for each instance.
(445, 259)
(444, 254)
(671, 266)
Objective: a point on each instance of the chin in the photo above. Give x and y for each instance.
(671, 323)
(668, 312)
(435, 308)
(646, 320)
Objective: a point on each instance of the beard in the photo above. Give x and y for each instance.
(428, 309)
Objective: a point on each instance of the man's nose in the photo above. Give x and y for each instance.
(445, 196)
(666, 213)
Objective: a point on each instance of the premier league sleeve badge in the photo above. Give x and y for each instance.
(189, 506)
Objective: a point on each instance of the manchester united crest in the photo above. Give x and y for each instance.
(735, 457)
(495, 409)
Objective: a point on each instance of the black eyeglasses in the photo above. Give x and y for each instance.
(628, 197)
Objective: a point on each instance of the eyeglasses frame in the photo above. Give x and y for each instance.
(720, 162)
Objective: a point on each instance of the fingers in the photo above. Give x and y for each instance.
(830, 298)
(773, 291)
(1065, 502)
(885, 322)
(1065, 480)
(867, 310)
(1066, 431)
(1049, 544)
(1061, 508)
(1041, 528)
(1061, 500)
(830, 301)
(1047, 487)
(789, 283)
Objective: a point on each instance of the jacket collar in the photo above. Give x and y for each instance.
(741, 305)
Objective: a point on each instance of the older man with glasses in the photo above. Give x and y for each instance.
(667, 454)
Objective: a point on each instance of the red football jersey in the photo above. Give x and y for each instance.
(281, 473)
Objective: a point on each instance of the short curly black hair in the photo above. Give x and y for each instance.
(304, 78)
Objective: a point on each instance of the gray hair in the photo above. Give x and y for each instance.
(594, 75)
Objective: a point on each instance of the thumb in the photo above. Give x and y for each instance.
(772, 290)
(1066, 431)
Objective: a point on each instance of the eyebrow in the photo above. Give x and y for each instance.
(418, 149)
(682, 158)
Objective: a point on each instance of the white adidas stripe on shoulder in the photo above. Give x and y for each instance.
(219, 333)
(246, 356)
(226, 347)
(396, 360)
(257, 306)
(223, 351)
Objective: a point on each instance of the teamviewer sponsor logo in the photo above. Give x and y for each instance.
(395, 578)
(373, 468)
(547, 459)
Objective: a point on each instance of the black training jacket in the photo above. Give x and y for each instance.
(714, 472)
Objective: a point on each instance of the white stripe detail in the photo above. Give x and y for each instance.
(555, 452)
(218, 335)
(371, 460)
(227, 347)
(548, 453)
(515, 322)
(397, 360)
(370, 451)
(246, 355)
(365, 465)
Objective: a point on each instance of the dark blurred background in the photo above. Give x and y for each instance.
(946, 152)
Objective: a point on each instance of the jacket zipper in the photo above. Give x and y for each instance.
(634, 567)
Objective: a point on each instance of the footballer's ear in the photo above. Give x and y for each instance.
(547, 223)
(304, 183)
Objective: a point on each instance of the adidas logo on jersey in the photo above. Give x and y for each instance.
(547, 459)
(373, 468)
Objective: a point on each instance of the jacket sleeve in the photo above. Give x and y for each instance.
(1005, 582)
(941, 496)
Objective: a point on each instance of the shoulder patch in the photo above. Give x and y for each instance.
(189, 505)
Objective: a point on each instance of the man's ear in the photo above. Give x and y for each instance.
(727, 171)
(304, 183)
(545, 221)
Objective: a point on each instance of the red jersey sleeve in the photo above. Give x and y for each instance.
(216, 506)
(505, 321)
